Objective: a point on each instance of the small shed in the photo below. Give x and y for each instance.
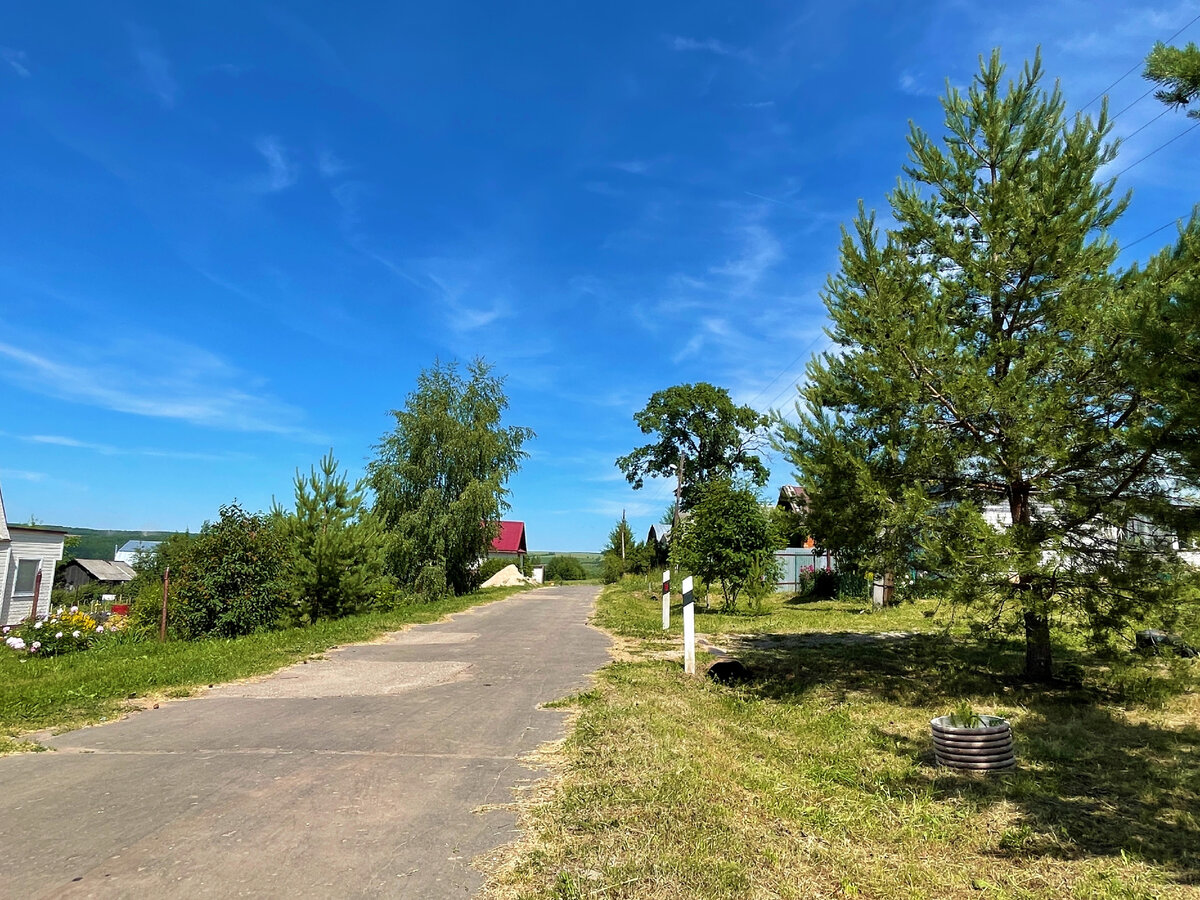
(28, 555)
(79, 572)
(509, 543)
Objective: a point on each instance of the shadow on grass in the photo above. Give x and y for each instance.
(1091, 781)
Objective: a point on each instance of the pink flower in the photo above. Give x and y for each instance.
(37, 645)
(99, 629)
(15, 643)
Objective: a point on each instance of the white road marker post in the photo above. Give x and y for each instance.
(666, 599)
(689, 628)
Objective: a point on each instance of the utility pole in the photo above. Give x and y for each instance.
(678, 493)
(623, 526)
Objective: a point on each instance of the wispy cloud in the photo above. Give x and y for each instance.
(760, 251)
(634, 166)
(330, 165)
(22, 475)
(156, 68)
(683, 44)
(157, 378)
(16, 60)
(282, 170)
(916, 85)
(58, 440)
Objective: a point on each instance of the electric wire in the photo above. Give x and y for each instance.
(1138, 64)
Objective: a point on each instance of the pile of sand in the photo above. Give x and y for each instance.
(509, 576)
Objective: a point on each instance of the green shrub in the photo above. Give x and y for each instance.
(228, 580)
(614, 568)
(565, 568)
(431, 583)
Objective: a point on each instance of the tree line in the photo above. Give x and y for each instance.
(415, 528)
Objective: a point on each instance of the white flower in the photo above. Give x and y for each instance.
(6, 629)
(58, 635)
(15, 643)
(37, 624)
(74, 634)
(74, 609)
(37, 645)
(99, 629)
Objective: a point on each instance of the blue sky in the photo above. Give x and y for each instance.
(232, 234)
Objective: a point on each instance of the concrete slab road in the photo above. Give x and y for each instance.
(352, 776)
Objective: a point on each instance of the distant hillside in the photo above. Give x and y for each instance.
(593, 563)
(100, 543)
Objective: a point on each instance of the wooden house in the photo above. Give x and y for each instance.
(27, 558)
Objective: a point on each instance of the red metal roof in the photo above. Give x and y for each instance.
(511, 538)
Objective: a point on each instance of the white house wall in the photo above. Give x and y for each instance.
(44, 545)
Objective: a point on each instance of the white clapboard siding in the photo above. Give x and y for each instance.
(27, 543)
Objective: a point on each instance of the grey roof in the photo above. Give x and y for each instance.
(103, 570)
(138, 546)
(658, 534)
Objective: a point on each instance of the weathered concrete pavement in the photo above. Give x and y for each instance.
(356, 775)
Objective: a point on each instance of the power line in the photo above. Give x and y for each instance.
(1147, 125)
(1151, 234)
(1130, 106)
(1138, 64)
(1162, 146)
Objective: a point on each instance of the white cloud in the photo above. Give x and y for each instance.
(153, 377)
(23, 475)
(760, 251)
(710, 45)
(16, 59)
(634, 166)
(156, 68)
(282, 171)
(915, 85)
(58, 440)
(329, 165)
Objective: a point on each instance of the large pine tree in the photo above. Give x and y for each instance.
(986, 419)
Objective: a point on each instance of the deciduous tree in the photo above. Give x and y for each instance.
(701, 422)
(439, 476)
(728, 539)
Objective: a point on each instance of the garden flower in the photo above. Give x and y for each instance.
(58, 635)
(74, 634)
(15, 643)
(37, 624)
(37, 645)
(99, 629)
(74, 609)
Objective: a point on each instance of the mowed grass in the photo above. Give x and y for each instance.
(83, 688)
(816, 780)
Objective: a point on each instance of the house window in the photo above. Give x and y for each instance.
(27, 570)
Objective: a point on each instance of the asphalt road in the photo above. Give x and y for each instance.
(358, 775)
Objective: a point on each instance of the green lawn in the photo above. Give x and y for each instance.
(816, 780)
(83, 688)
